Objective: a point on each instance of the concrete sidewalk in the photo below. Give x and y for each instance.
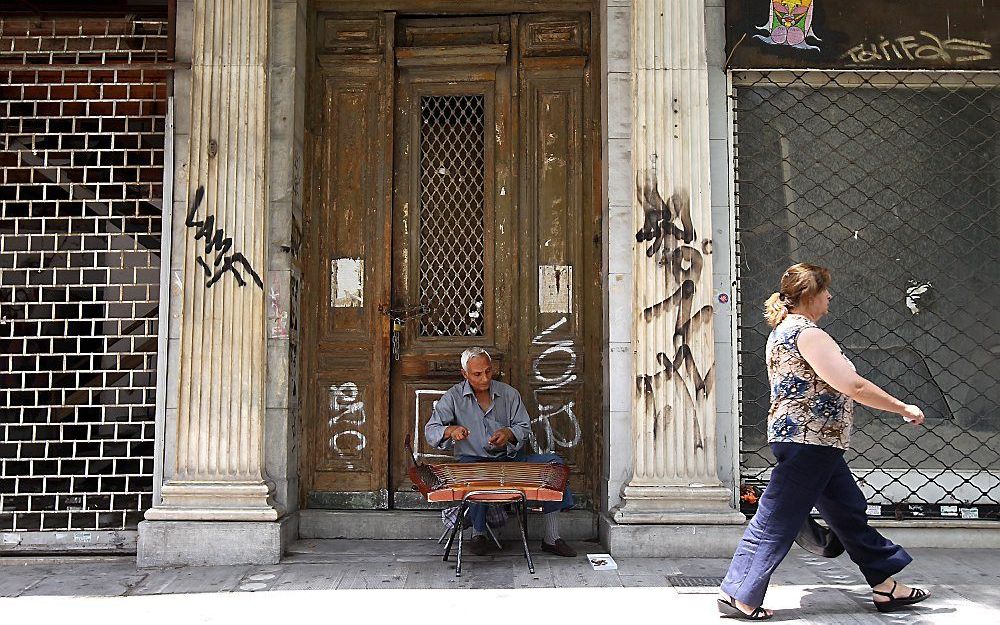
(336, 578)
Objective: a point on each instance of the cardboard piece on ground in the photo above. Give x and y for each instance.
(602, 561)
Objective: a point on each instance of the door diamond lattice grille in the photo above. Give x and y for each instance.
(452, 215)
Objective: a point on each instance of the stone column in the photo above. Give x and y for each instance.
(214, 487)
(675, 475)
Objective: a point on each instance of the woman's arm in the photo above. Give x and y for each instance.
(824, 356)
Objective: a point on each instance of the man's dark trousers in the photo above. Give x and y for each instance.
(477, 511)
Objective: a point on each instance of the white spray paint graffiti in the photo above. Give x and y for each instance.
(420, 417)
(277, 316)
(913, 294)
(347, 418)
(568, 436)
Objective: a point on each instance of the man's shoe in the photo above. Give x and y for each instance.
(560, 548)
(479, 545)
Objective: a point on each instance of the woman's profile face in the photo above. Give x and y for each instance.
(820, 304)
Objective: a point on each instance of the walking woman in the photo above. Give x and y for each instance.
(813, 390)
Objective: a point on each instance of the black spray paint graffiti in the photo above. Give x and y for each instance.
(669, 229)
(551, 416)
(218, 243)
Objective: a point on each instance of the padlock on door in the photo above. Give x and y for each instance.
(397, 329)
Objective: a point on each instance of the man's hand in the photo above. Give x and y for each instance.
(501, 437)
(456, 432)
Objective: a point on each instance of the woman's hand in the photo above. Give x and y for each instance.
(913, 414)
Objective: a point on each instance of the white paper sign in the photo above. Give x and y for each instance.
(347, 282)
(969, 513)
(555, 288)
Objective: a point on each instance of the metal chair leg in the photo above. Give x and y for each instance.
(459, 519)
(522, 523)
(489, 530)
(447, 530)
(458, 562)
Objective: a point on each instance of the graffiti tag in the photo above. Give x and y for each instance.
(217, 243)
(347, 418)
(558, 421)
(673, 246)
(923, 47)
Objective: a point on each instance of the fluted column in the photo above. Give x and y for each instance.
(214, 465)
(675, 477)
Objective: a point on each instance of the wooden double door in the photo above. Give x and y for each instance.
(451, 203)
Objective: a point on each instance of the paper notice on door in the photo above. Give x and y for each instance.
(555, 288)
(347, 282)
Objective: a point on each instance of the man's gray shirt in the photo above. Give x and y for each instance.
(459, 406)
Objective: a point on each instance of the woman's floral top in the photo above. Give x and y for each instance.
(804, 408)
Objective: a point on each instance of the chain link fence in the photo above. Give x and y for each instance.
(891, 181)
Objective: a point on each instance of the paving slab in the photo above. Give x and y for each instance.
(375, 576)
(88, 580)
(647, 566)
(190, 579)
(643, 581)
(17, 578)
(294, 577)
(417, 607)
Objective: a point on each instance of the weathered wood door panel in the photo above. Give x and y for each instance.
(482, 127)
(347, 261)
(557, 380)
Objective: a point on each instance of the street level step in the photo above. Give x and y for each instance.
(422, 524)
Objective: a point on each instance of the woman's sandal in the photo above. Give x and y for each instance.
(731, 610)
(894, 603)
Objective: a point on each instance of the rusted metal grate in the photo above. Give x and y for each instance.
(690, 581)
(891, 180)
(452, 215)
(81, 177)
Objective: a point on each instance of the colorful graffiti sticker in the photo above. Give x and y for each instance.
(790, 23)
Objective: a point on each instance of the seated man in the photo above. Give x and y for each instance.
(485, 421)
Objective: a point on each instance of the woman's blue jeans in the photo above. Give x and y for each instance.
(808, 476)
